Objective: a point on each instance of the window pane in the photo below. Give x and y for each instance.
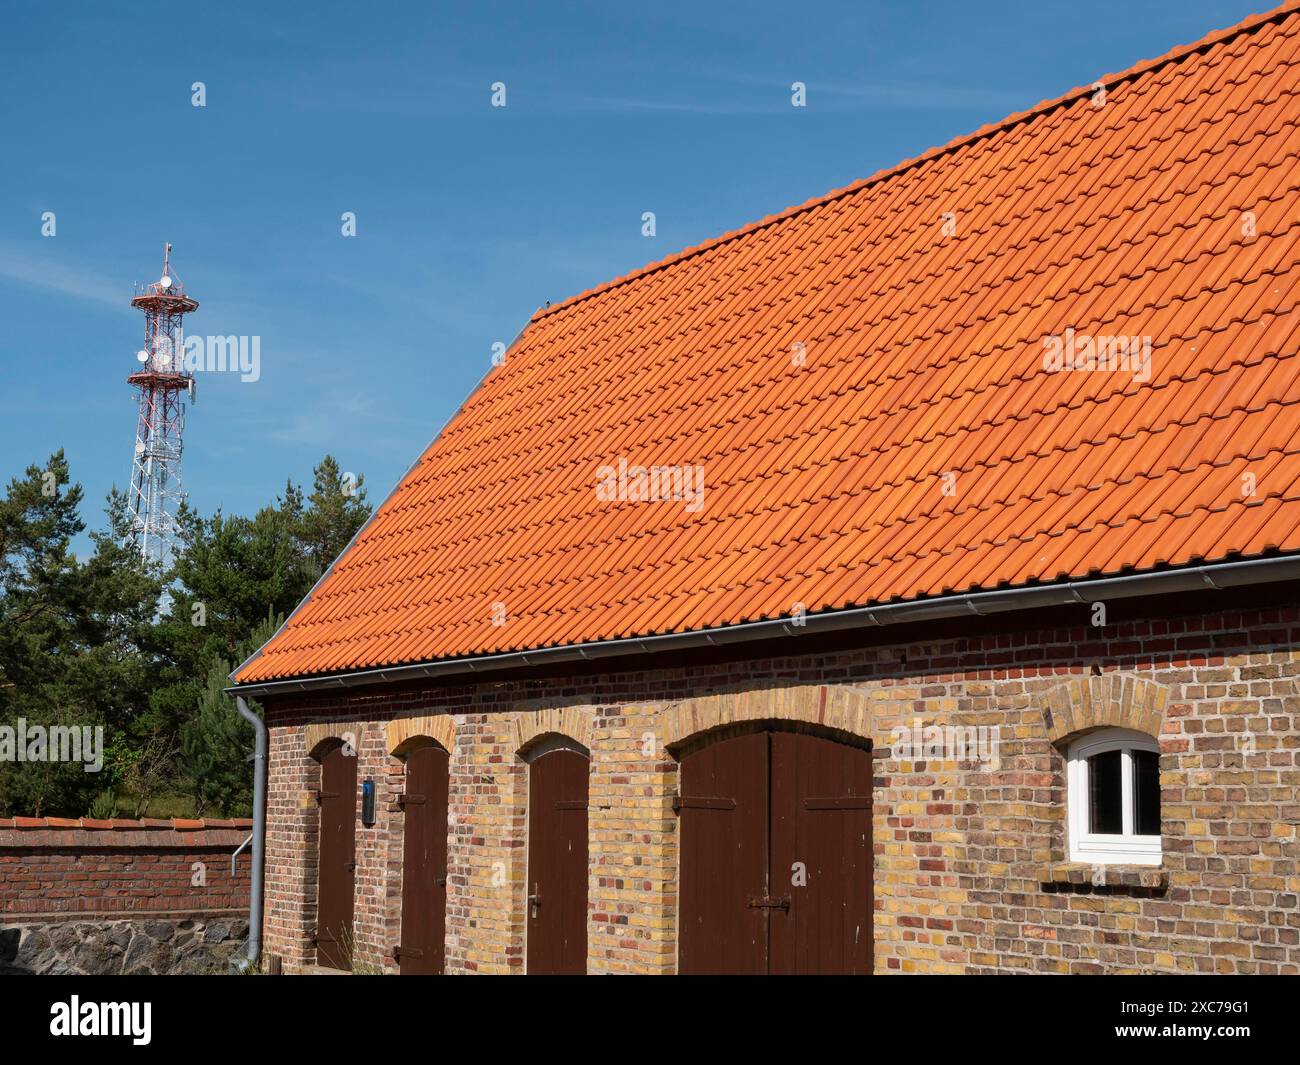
(1146, 793)
(1105, 794)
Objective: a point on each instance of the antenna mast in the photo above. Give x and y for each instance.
(160, 423)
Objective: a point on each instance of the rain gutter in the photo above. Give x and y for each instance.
(1215, 577)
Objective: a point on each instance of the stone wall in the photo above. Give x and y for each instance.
(161, 946)
(971, 867)
(121, 896)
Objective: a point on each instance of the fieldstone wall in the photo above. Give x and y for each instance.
(159, 946)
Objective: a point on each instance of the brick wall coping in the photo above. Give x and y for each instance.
(144, 833)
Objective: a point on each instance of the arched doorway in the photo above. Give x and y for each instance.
(558, 771)
(424, 860)
(775, 854)
(336, 879)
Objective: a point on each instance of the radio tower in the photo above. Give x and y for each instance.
(160, 424)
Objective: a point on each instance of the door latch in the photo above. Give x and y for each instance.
(767, 902)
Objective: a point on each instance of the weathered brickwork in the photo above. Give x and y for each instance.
(972, 871)
(64, 868)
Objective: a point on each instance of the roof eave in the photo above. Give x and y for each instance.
(1163, 582)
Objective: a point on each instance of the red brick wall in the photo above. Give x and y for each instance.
(971, 870)
(53, 867)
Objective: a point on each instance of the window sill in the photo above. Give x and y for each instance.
(1087, 875)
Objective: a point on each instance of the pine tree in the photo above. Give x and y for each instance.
(70, 634)
(83, 642)
(335, 510)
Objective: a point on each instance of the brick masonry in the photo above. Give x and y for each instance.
(971, 864)
(122, 896)
(56, 867)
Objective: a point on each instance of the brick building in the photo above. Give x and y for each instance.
(905, 582)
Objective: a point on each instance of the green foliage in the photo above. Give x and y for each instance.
(95, 642)
(335, 510)
(69, 632)
(103, 807)
(217, 744)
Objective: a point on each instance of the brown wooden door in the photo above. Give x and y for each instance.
(337, 873)
(557, 863)
(724, 857)
(821, 856)
(775, 856)
(424, 862)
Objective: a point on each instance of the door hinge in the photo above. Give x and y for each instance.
(321, 796)
(414, 953)
(414, 800)
(702, 802)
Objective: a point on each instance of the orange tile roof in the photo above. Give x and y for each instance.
(830, 366)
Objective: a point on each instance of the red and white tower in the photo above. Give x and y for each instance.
(160, 425)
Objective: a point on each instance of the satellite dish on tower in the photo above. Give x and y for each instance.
(142, 355)
(165, 281)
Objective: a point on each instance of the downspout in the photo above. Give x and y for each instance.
(254, 948)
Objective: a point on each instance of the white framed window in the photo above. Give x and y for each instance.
(1114, 798)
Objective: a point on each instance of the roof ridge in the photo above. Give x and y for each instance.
(1248, 25)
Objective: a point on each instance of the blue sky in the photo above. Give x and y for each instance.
(468, 216)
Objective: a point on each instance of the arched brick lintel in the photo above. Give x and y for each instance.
(571, 721)
(830, 706)
(1115, 700)
(403, 731)
(316, 734)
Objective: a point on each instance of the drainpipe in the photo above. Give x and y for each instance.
(254, 949)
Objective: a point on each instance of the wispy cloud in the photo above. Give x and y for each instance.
(771, 95)
(49, 273)
(902, 94)
(580, 101)
(847, 94)
(335, 419)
